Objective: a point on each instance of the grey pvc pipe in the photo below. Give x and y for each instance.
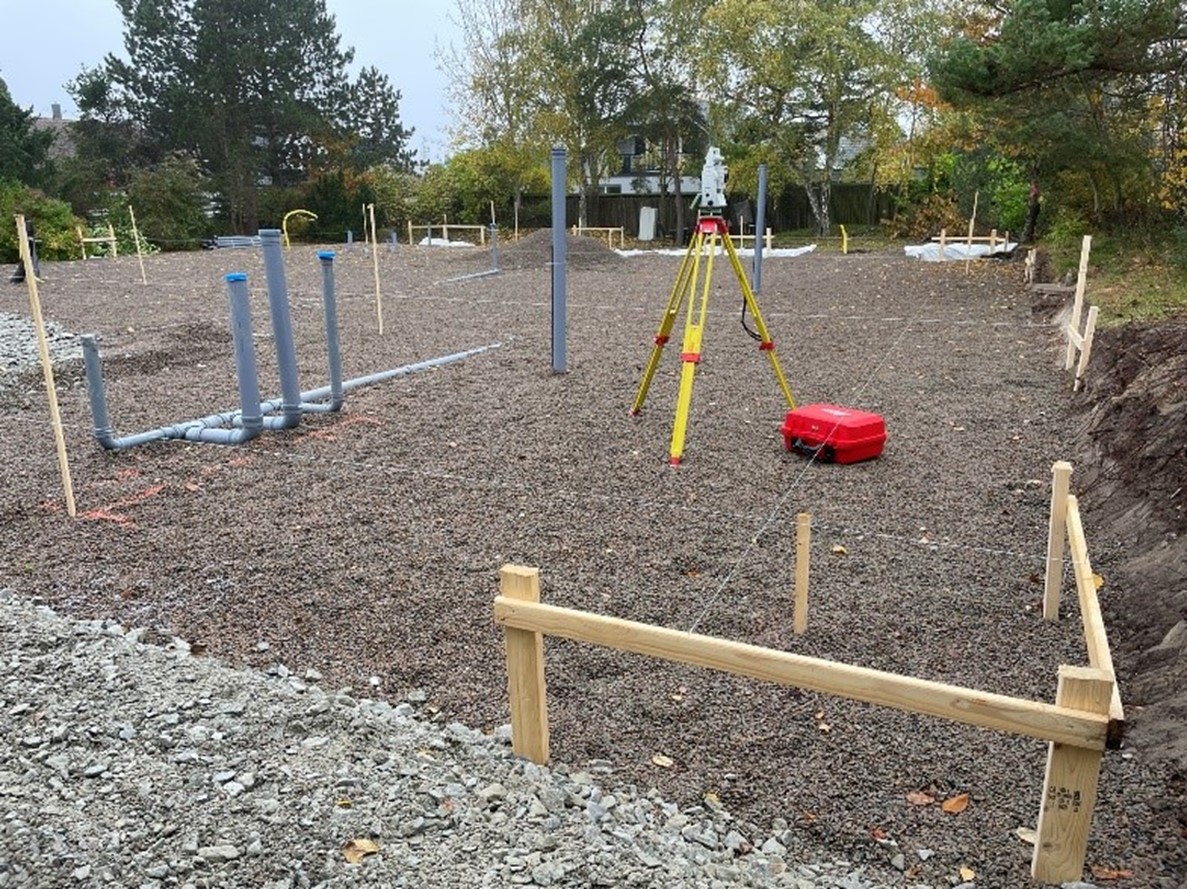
(251, 418)
(204, 429)
(559, 261)
(333, 349)
(494, 247)
(282, 332)
(760, 226)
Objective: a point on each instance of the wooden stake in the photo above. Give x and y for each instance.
(136, 237)
(47, 367)
(943, 240)
(1078, 302)
(115, 250)
(1061, 477)
(445, 227)
(803, 548)
(375, 263)
(1069, 786)
(844, 241)
(525, 669)
(410, 241)
(82, 242)
(968, 257)
(1085, 348)
(492, 212)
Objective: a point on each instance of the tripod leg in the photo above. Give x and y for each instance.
(690, 352)
(765, 344)
(680, 290)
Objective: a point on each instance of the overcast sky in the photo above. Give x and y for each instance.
(47, 42)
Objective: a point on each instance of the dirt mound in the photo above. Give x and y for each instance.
(535, 250)
(1135, 486)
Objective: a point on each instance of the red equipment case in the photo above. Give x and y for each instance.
(834, 433)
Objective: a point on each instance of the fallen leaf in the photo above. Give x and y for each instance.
(712, 798)
(968, 874)
(1098, 581)
(824, 727)
(344, 803)
(955, 805)
(808, 817)
(839, 550)
(919, 798)
(878, 833)
(1108, 873)
(664, 762)
(677, 697)
(358, 849)
(693, 573)
(1027, 835)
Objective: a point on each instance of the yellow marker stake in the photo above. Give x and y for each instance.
(46, 365)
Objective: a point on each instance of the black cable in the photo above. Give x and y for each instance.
(754, 335)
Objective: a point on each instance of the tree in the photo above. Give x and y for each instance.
(1066, 88)
(372, 123)
(252, 87)
(495, 89)
(588, 91)
(541, 72)
(24, 152)
(800, 77)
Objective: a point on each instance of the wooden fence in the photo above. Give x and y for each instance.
(1079, 342)
(109, 239)
(1078, 726)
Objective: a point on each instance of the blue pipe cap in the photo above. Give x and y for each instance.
(326, 254)
(236, 276)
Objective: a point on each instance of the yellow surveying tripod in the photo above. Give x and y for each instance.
(710, 229)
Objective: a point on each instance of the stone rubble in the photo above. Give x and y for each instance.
(129, 764)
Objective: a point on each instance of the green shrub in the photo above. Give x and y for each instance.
(53, 222)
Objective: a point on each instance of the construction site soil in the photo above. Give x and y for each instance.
(366, 544)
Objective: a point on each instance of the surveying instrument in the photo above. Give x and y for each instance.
(696, 269)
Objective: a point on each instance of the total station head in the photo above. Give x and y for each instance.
(713, 178)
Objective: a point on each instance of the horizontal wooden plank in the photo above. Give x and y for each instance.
(1096, 637)
(1030, 718)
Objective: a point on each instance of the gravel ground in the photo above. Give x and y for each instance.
(367, 544)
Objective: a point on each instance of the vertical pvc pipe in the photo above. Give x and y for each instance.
(331, 310)
(349, 239)
(282, 327)
(760, 226)
(95, 391)
(494, 247)
(245, 357)
(559, 260)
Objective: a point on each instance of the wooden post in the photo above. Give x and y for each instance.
(1028, 270)
(943, 239)
(1069, 786)
(525, 669)
(115, 252)
(993, 240)
(768, 239)
(1056, 532)
(803, 548)
(410, 241)
(47, 367)
(136, 237)
(445, 227)
(1085, 347)
(375, 264)
(82, 242)
(968, 257)
(1078, 302)
(844, 240)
